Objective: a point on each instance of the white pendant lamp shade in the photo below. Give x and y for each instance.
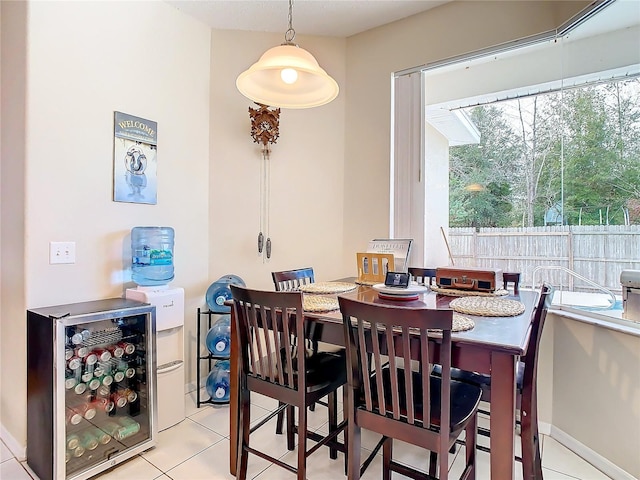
(287, 76)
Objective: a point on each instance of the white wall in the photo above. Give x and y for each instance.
(86, 60)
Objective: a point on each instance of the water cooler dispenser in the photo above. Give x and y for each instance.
(169, 303)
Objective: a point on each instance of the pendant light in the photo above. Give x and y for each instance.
(287, 76)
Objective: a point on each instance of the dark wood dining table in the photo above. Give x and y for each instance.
(493, 346)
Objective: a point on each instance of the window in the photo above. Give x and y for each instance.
(543, 148)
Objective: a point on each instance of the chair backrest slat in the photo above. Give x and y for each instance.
(256, 345)
(426, 384)
(377, 361)
(280, 347)
(400, 334)
(286, 333)
(364, 361)
(291, 280)
(445, 387)
(408, 383)
(268, 326)
(394, 387)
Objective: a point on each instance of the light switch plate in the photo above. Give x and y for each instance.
(62, 252)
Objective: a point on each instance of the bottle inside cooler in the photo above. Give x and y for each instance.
(106, 390)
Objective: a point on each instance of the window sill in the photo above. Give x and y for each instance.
(610, 321)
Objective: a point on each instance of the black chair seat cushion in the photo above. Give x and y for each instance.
(465, 398)
(325, 370)
(481, 380)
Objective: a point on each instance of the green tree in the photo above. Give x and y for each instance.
(480, 174)
(577, 150)
(601, 146)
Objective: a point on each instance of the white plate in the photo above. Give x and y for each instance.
(412, 289)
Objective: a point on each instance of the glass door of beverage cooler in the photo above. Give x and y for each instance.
(106, 407)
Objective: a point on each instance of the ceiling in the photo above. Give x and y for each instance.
(333, 18)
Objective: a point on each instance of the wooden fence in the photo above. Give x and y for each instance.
(598, 253)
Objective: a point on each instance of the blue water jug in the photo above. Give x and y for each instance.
(219, 292)
(219, 337)
(152, 255)
(218, 382)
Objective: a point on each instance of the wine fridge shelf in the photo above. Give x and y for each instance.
(209, 358)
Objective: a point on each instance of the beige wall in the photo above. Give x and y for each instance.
(447, 31)
(12, 217)
(306, 169)
(596, 390)
(85, 60)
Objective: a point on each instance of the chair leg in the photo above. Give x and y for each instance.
(290, 413)
(280, 419)
(302, 443)
(530, 438)
(243, 438)
(354, 448)
(333, 420)
(345, 432)
(470, 446)
(433, 463)
(387, 456)
(443, 464)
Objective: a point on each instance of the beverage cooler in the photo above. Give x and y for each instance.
(91, 386)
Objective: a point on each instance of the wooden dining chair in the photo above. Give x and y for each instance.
(387, 396)
(526, 390)
(276, 364)
(290, 280)
(514, 278)
(425, 276)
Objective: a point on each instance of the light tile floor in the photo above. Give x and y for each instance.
(198, 448)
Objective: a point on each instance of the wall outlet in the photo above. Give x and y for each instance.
(62, 252)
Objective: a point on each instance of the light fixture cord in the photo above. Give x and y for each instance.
(290, 34)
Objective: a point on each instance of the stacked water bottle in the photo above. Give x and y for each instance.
(218, 339)
(219, 345)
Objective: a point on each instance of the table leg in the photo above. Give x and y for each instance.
(503, 415)
(233, 396)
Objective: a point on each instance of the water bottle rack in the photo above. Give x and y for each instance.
(209, 358)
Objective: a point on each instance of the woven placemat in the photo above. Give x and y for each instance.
(327, 287)
(487, 306)
(453, 292)
(319, 303)
(462, 323)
